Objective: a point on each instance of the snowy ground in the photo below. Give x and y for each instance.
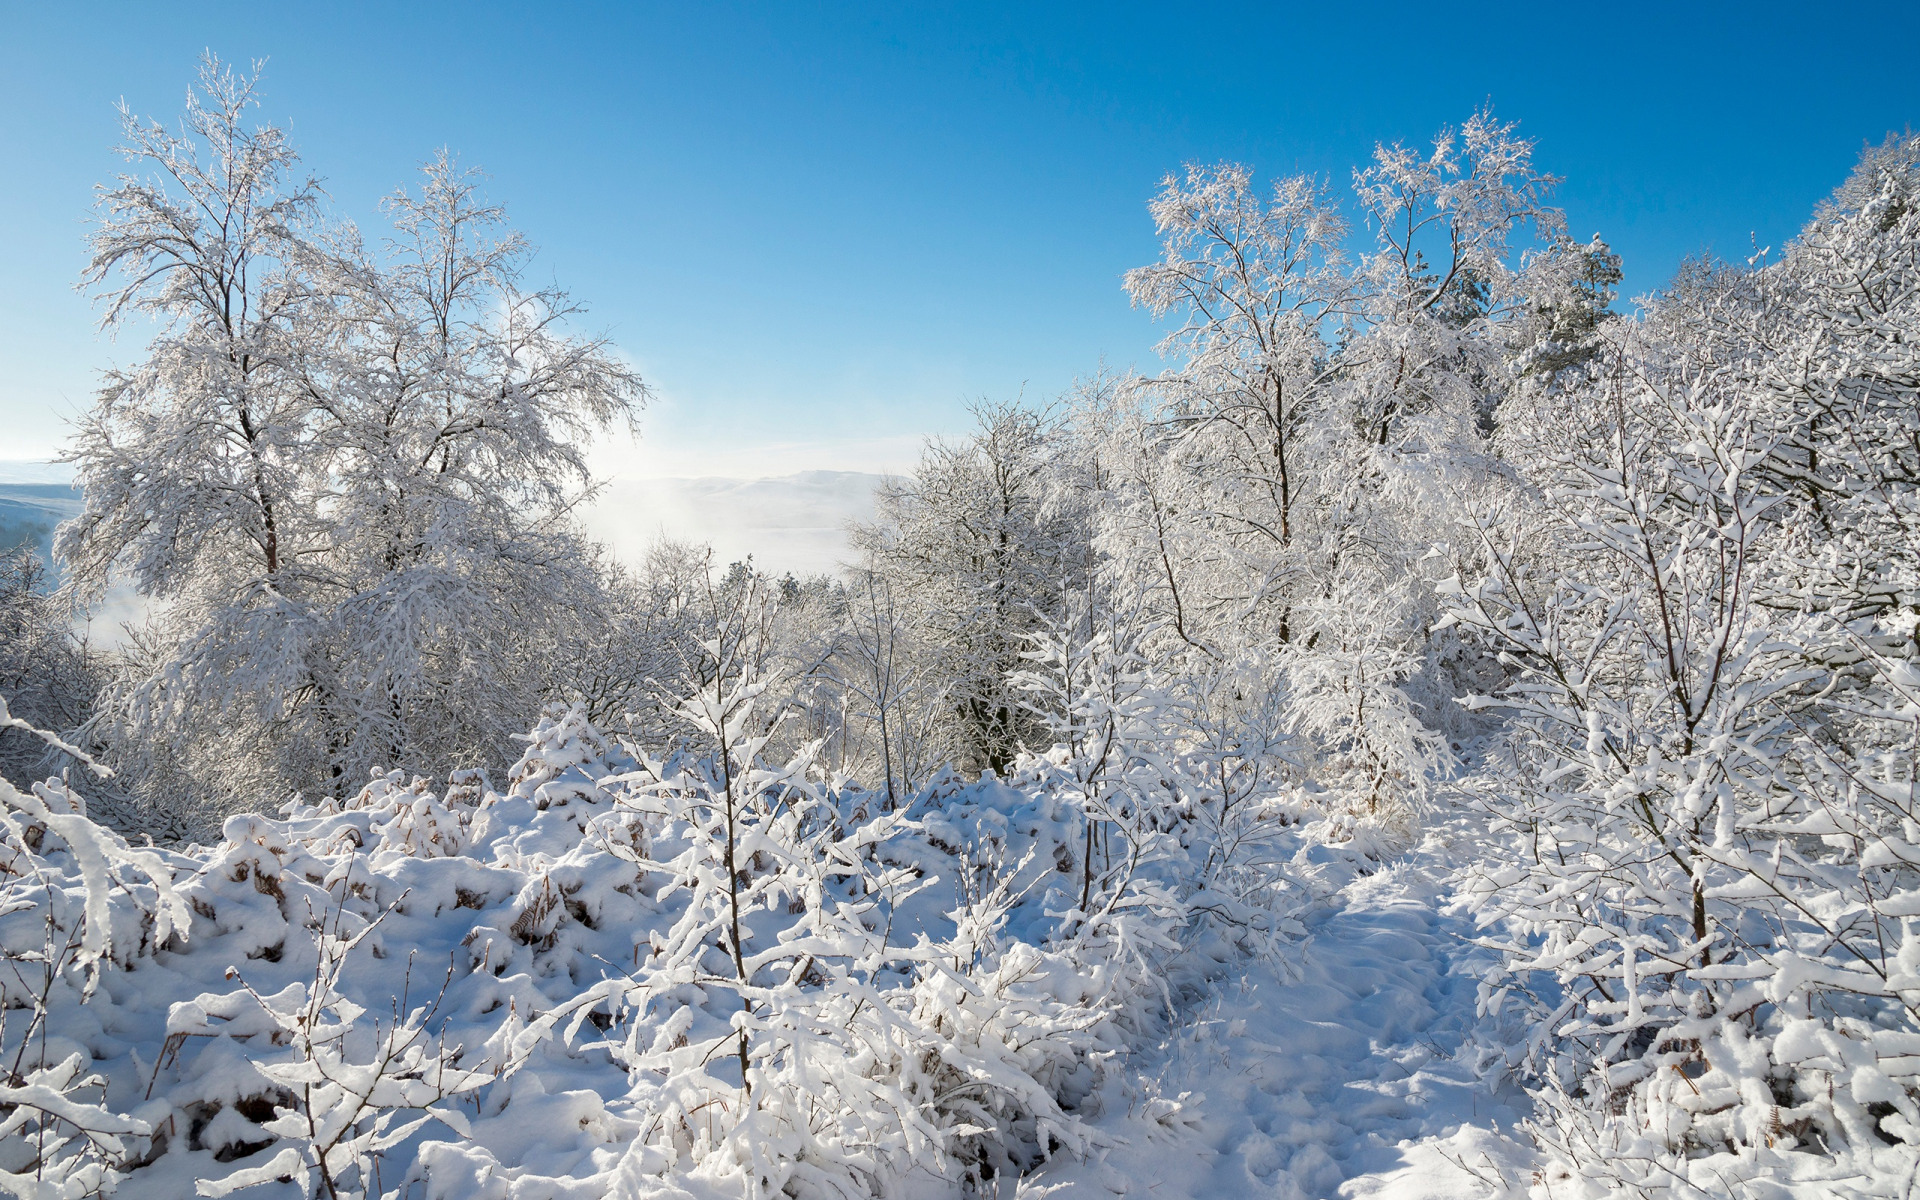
(1342, 1064)
(1343, 1070)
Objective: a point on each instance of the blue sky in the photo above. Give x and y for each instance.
(821, 230)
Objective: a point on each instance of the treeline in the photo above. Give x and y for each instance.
(343, 474)
(1414, 516)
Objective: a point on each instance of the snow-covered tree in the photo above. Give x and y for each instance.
(974, 546)
(344, 475)
(1327, 413)
(1260, 288)
(48, 674)
(1708, 775)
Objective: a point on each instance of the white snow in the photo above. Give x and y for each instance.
(1346, 1068)
(1305, 788)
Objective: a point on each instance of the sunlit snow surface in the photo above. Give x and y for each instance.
(1338, 1065)
(1346, 1070)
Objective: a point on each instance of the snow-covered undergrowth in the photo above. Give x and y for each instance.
(1415, 534)
(618, 977)
(1352, 1064)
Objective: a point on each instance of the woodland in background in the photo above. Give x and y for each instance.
(1414, 520)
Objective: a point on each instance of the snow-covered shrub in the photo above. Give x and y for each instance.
(341, 1081)
(1096, 696)
(1368, 749)
(862, 1041)
(1179, 774)
(632, 972)
(406, 817)
(565, 758)
(1708, 779)
(48, 674)
(60, 929)
(1014, 1037)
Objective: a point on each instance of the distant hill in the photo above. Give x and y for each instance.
(30, 511)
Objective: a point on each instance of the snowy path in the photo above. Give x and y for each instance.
(1341, 1073)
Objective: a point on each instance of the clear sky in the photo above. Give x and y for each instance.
(821, 230)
